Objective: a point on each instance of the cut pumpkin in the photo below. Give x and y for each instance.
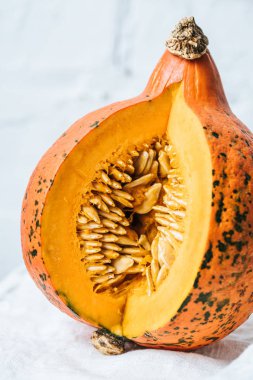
(139, 217)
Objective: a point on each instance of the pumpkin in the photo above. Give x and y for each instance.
(139, 218)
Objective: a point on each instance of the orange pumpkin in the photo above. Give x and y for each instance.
(165, 261)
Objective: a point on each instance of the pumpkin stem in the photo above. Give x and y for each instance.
(110, 344)
(187, 40)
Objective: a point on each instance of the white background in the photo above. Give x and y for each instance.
(60, 59)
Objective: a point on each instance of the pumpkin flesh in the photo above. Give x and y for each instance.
(129, 314)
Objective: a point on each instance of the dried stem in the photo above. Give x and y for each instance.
(187, 40)
(110, 344)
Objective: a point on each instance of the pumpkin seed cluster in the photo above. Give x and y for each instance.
(131, 222)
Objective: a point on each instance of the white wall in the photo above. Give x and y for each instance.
(60, 59)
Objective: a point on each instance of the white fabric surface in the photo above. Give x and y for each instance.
(38, 342)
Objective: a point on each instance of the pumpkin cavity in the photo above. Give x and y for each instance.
(131, 221)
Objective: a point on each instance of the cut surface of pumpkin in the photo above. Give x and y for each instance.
(122, 232)
(139, 218)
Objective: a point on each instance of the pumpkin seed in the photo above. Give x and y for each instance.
(134, 251)
(144, 180)
(117, 210)
(115, 185)
(91, 226)
(112, 246)
(164, 164)
(105, 178)
(163, 272)
(91, 213)
(110, 254)
(134, 153)
(107, 199)
(150, 283)
(102, 230)
(122, 263)
(92, 243)
(109, 238)
(90, 236)
(95, 268)
(94, 257)
(151, 197)
(123, 194)
(92, 250)
(110, 216)
(101, 188)
(104, 278)
(122, 200)
(151, 156)
(165, 251)
(154, 168)
(154, 269)
(109, 223)
(82, 219)
(119, 231)
(135, 269)
(130, 169)
(99, 203)
(141, 162)
(143, 241)
(126, 241)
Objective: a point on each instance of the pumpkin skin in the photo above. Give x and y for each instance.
(221, 297)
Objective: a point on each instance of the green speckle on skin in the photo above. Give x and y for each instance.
(208, 257)
(219, 212)
(31, 233)
(238, 227)
(95, 124)
(42, 285)
(43, 276)
(221, 246)
(240, 217)
(33, 253)
(147, 334)
(224, 174)
(205, 298)
(236, 257)
(221, 304)
(212, 338)
(186, 301)
(196, 282)
(247, 179)
(228, 239)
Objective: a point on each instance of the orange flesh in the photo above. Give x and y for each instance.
(132, 313)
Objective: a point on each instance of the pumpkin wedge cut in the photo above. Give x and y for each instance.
(139, 218)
